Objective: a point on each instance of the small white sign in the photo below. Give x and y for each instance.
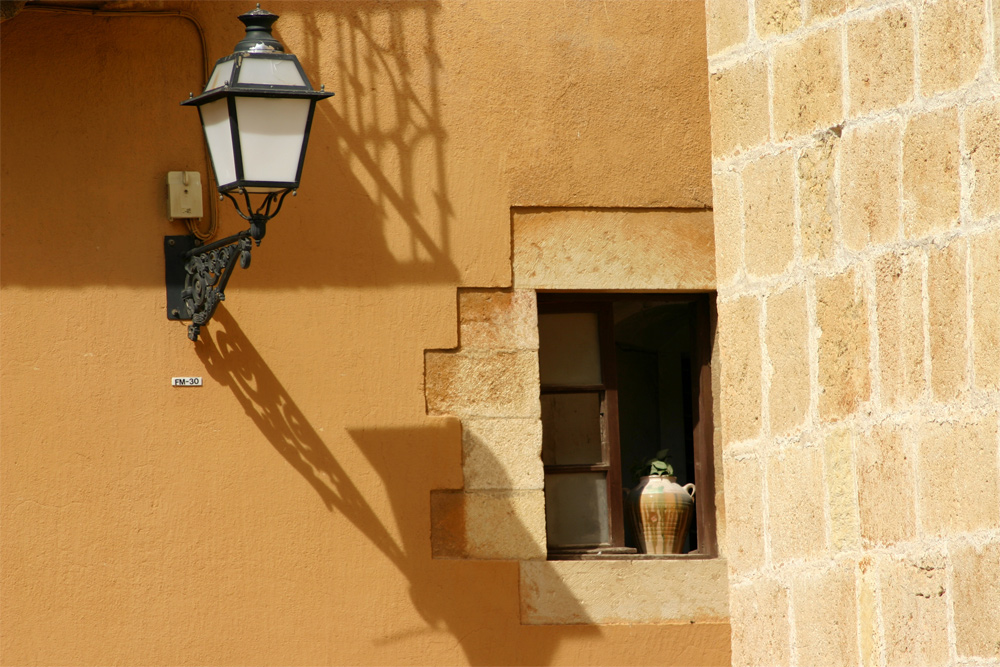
(186, 382)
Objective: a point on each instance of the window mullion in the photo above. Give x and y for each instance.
(609, 410)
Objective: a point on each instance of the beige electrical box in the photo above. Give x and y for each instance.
(184, 195)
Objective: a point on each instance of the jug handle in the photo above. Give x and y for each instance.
(689, 490)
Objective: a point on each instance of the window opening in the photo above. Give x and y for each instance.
(622, 378)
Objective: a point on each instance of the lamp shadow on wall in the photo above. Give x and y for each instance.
(232, 361)
(385, 219)
(374, 208)
(475, 601)
(384, 214)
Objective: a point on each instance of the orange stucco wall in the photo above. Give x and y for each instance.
(280, 513)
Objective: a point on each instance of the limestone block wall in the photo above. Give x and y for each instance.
(491, 384)
(856, 174)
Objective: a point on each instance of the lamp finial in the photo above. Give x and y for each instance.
(258, 38)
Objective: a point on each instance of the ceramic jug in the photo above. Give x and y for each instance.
(661, 512)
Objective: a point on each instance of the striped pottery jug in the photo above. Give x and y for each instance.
(661, 511)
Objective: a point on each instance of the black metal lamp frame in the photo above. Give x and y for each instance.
(197, 275)
(231, 90)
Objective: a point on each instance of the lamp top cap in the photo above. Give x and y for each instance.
(258, 38)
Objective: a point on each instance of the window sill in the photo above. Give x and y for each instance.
(636, 588)
(627, 556)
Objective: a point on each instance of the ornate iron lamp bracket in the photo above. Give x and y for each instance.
(197, 275)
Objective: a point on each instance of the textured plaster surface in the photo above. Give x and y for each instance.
(281, 513)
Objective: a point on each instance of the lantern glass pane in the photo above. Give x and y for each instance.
(220, 75)
(271, 72)
(272, 135)
(215, 119)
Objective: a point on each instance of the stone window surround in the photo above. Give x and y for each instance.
(490, 383)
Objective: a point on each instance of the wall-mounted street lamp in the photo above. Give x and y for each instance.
(256, 111)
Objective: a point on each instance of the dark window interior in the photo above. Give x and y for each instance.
(623, 376)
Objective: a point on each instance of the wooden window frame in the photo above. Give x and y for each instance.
(610, 448)
(703, 334)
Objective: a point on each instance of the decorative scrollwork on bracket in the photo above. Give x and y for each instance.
(197, 274)
(208, 273)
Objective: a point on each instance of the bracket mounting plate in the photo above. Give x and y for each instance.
(174, 248)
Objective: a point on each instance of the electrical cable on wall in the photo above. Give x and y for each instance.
(213, 207)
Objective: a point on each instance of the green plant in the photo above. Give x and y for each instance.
(655, 466)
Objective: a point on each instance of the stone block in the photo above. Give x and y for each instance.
(760, 628)
(947, 320)
(787, 338)
(985, 311)
(869, 632)
(977, 600)
(728, 24)
(900, 325)
(498, 525)
(769, 214)
(738, 98)
(482, 383)
(807, 87)
(842, 318)
(982, 147)
(869, 177)
(886, 487)
(951, 43)
(880, 61)
(744, 501)
(915, 609)
(777, 17)
(502, 453)
(447, 524)
(498, 319)
(841, 489)
(957, 471)
(638, 249)
(644, 591)
(795, 502)
(739, 333)
(818, 207)
(820, 10)
(505, 525)
(996, 41)
(931, 189)
(826, 629)
(728, 226)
